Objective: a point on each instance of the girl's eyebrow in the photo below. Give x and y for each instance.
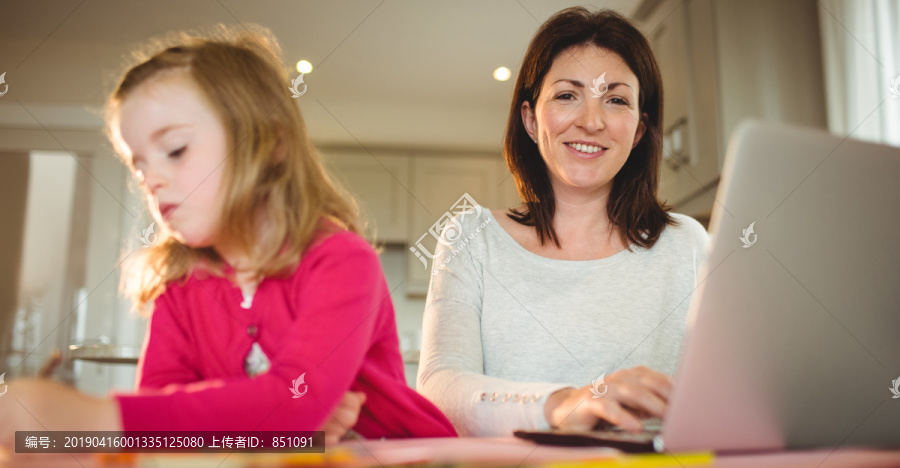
(159, 133)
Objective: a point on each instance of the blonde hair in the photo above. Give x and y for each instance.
(272, 165)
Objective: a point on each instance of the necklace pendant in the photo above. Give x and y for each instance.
(256, 361)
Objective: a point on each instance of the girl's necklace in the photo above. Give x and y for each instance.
(255, 362)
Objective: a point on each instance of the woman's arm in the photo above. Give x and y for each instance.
(451, 367)
(451, 375)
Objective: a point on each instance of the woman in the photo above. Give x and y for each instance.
(589, 281)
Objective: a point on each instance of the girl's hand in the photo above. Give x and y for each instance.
(633, 393)
(344, 417)
(40, 404)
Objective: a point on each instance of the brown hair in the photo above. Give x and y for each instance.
(633, 205)
(272, 165)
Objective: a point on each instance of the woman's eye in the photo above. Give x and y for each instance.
(566, 96)
(619, 101)
(178, 152)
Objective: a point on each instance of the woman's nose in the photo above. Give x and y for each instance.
(590, 115)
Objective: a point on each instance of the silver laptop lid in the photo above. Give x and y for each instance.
(794, 334)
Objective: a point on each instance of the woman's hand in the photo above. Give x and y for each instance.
(344, 417)
(44, 405)
(633, 393)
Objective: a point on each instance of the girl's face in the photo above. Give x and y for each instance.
(177, 146)
(583, 139)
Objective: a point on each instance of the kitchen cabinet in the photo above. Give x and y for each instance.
(379, 181)
(683, 49)
(723, 62)
(438, 185)
(407, 197)
(507, 196)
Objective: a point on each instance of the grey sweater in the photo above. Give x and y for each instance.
(504, 327)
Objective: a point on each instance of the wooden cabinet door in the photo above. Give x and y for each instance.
(438, 185)
(379, 182)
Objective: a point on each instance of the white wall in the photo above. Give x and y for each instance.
(48, 215)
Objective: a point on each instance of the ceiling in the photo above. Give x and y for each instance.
(392, 73)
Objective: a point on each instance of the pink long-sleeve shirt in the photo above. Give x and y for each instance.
(332, 321)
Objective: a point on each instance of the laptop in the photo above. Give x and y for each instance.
(794, 331)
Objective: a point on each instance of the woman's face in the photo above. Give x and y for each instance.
(586, 119)
(178, 148)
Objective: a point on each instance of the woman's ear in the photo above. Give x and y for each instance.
(529, 121)
(640, 131)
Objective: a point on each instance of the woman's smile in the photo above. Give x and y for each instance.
(586, 150)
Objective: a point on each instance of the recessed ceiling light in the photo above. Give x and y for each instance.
(502, 74)
(304, 67)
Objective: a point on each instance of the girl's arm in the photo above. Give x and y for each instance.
(167, 356)
(44, 405)
(338, 303)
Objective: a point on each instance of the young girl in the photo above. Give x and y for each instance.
(269, 311)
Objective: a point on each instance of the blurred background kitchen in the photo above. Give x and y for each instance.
(403, 103)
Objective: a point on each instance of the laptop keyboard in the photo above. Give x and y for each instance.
(652, 426)
(603, 434)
